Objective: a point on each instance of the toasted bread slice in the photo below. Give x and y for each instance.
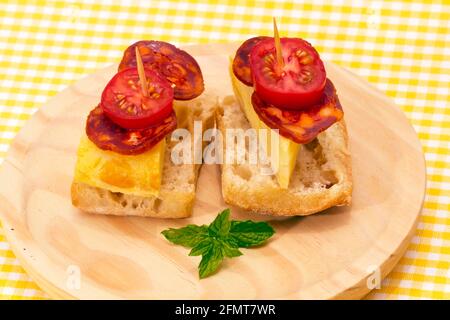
(177, 192)
(322, 176)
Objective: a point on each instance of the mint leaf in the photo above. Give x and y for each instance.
(221, 239)
(211, 260)
(213, 251)
(230, 249)
(188, 236)
(202, 247)
(249, 234)
(220, 227)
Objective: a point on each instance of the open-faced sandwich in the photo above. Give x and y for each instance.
(124, 164)
(281, 86)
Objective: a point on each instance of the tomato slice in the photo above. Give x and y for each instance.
(241, 65)
(301, 126)
(125, 104)
(299, 84)
(176, 65)
(107, 135)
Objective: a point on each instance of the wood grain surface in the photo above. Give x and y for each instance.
(328, 255)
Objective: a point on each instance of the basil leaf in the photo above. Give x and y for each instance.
(211, 260)
(220, 227)
(249, 234)
(188, 236)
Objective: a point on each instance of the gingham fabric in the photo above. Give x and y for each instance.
(403, 48)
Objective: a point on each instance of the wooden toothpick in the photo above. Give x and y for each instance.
(141, 72)
(276, 36)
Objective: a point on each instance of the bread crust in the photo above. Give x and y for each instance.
(266, 197)
(102, 201)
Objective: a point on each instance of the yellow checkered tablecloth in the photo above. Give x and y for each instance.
(402, 47)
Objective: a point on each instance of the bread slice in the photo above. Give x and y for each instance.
(177, 192)
(322, 176)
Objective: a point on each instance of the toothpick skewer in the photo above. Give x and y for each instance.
(141, 72)
(276, 36)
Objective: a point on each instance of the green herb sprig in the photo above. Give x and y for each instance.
(221, 239)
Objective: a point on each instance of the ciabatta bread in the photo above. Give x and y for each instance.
(177, 192)
(322, 177)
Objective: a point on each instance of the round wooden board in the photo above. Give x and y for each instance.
(328, 255)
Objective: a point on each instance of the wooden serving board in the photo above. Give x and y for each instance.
(328, 255)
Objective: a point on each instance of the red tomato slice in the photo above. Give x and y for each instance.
(176, 65)
(299, 84)
(125, 104)
(241, 65)
(109, 136)
(301, 126)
